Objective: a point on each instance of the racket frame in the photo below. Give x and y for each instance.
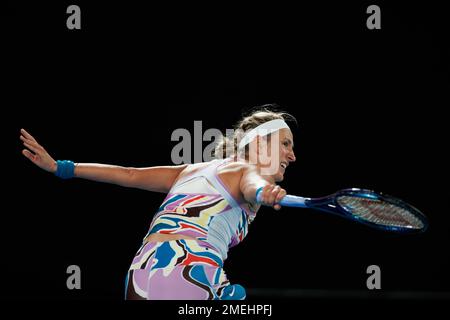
(330, 204)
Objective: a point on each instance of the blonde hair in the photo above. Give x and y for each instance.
(228, 146)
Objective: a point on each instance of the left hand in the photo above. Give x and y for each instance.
(39, 156)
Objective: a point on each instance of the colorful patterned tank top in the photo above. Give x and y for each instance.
(200, 206)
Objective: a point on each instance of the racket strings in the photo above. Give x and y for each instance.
(380, 212)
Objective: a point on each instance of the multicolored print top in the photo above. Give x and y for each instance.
(200, 206)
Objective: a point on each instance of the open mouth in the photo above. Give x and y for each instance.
(284, 165)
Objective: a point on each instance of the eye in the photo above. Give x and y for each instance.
(286, 143)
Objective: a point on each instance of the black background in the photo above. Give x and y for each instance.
(371, 107)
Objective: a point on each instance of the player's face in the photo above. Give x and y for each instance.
(286, 154)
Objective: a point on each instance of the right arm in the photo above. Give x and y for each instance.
(251, 181)
(159, 179)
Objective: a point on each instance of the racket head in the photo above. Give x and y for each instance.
(380, 211)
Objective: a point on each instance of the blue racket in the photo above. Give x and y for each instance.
(374, 209)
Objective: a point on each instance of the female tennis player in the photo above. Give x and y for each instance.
(207, 209)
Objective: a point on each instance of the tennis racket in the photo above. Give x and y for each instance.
(371, 208)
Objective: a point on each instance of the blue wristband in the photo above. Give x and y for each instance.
(65, 169)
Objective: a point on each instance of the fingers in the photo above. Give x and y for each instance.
(29, 155)
(272, 195)
(280, 195)
(27, 135)
(33, 147)
(31, 141)
(278, 198)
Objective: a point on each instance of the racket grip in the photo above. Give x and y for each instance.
(287, 201)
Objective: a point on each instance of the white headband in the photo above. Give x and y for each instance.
(262, 130)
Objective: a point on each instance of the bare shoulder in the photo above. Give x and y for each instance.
(236, 167)
(235, 172)
(232, 175)
(231, 172)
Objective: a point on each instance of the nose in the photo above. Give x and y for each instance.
(291, 156)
